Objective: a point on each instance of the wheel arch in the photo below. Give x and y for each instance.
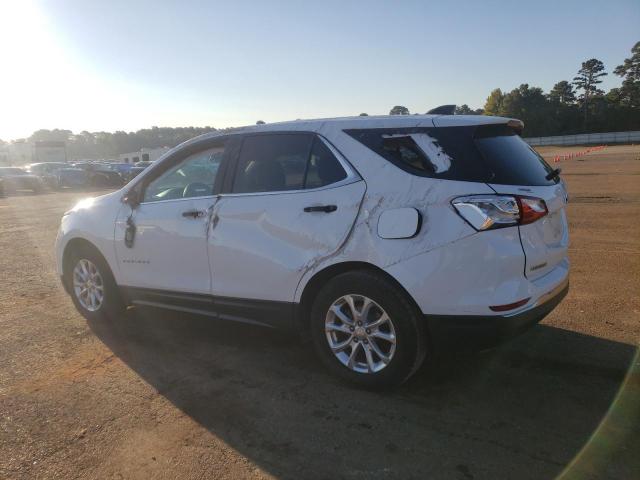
(320, 278)
(73, 245)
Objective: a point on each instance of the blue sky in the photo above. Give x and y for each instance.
(132, 64)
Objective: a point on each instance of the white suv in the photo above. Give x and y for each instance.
(382, 238)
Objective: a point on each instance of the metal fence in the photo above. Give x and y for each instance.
(586, 139)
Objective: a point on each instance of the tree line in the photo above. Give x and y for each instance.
(108, 145)
(577, 106)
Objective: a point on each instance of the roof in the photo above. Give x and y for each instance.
(378, 121)
(381, 120)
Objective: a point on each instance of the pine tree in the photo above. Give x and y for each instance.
(587, 80)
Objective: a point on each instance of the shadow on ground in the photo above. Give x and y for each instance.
(521, 411)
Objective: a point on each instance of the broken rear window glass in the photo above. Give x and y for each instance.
(484, 153)
(404, 149)
(427, 152)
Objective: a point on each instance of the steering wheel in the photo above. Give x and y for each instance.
(197, 189)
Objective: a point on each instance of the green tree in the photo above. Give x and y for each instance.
(530, 105)
(493, 105)
(587, 80)
(465, 110)
(562, 92)
(56, 135)
(629, 92)
(399, 110)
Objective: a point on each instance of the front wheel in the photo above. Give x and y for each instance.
(92, 286)
(366, 330)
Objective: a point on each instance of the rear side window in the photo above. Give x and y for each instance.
(485, 153)
(282, 162)
(404, 149)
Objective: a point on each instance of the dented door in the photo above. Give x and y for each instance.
(260, 245)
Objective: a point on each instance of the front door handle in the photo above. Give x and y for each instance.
(321, 208)
(194, 214)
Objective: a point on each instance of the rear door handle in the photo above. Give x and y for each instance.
(321, 208)
(194, 214)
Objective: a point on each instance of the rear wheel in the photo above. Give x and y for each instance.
(92, 286)
(367, 331)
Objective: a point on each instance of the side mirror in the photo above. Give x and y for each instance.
(131, 198)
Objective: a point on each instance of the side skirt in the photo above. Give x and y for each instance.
(265, 313)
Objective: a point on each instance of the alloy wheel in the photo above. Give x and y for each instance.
(88, 285)
(360, 333)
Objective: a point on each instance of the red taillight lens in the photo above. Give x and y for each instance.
(531, 209)
(486, 212)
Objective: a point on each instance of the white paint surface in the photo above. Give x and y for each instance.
(266, 247)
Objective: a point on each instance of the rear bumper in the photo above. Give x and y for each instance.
(464, 332)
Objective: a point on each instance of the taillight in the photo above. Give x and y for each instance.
(531, 209)
(486, 212)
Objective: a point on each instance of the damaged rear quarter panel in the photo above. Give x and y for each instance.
(389, 187)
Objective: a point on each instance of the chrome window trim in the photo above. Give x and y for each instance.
(352, 177)
(346, 181)
(180, 199)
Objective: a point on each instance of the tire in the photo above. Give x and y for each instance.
(111, 304)
(405, 334)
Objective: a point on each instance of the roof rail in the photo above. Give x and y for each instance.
(442, 110)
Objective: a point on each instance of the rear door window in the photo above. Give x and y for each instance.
(284, 162)
(323, 168)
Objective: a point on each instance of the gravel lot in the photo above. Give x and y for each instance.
(164, 395)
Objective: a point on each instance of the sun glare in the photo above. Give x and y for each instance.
(33, 66)
(43, 85)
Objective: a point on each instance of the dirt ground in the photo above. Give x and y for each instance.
(164, 395)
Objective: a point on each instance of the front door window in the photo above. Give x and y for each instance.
(195, 176)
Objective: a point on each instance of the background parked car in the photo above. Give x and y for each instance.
(72, 177)
(47, 172)
(136, 169)
(100, 174)
(14, 179)
(123, 169)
